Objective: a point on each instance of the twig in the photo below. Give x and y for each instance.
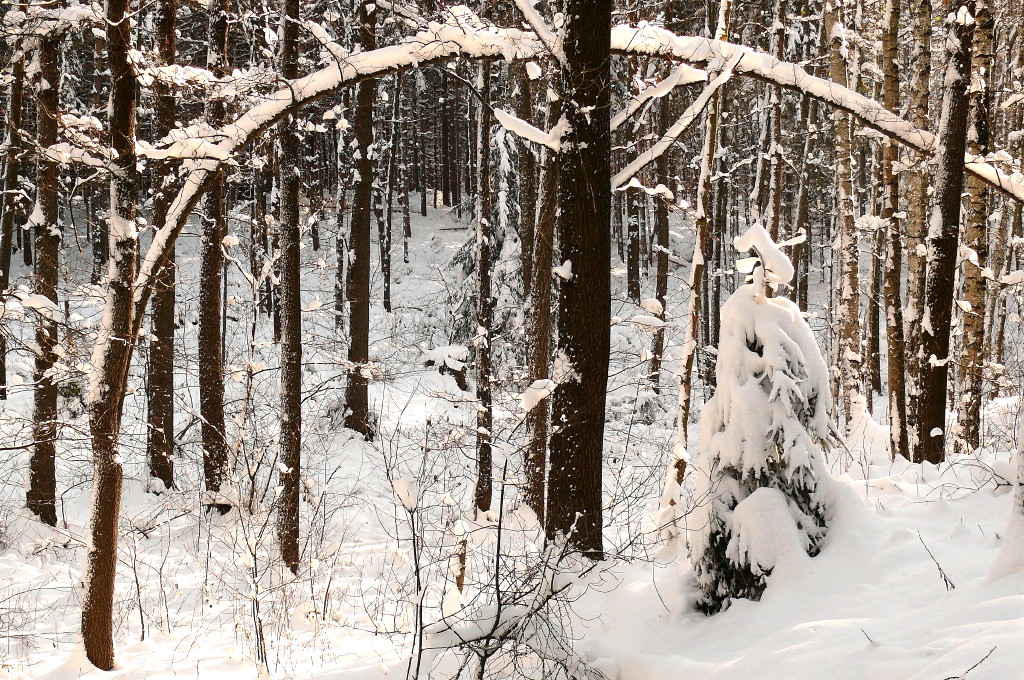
(945, 579)
(980, 661)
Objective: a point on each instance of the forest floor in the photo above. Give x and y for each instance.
(903, 588)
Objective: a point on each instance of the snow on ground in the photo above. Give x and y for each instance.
(199, 596)
(873, 604)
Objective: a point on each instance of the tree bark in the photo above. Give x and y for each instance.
(917, 217)
(896, 364)
(848, 311)
(211, 299)
(661, 239)
(976, 239)
(575, 501)
(634, 197)
(484, 301)
(697, 261)
(289, 473)
(42, 491)
(527, 186)
(538, 325)
(773, 218)
(356, 395)
(100, 235)
(160, 374)
(11, 203)
(112, 354)
(943, 235)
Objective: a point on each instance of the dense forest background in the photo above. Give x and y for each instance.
(404, 328)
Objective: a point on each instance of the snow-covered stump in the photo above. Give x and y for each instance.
(760, 468)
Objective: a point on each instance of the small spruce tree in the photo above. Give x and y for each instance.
(763, 429)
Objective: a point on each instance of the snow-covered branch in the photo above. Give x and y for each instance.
(464, 35)
(679, 127)
(680, 75)
(656, 41)
(545, 34)
(517, 126)
(460, 36)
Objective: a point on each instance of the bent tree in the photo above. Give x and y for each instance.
(578, 410)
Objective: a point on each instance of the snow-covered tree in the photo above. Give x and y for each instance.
(760, 463)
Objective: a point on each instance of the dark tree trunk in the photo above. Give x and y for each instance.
(291, 316)
(160, 376)
(484, 302)
(113, 353)
(661, 239)
(101, 232)
(634, 197)
(356, 397)
(42, 490)
(11, 203)
(211, 298)
(527, 187)
(584, 307)
(943, 235)
(539, 328)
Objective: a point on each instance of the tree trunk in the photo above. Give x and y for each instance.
(773, 218)
(356, 397)
(42, 491)
(872, 307)
(848, 311)
(661, 239)
(893, 271)
(917, 217)
(943, 235)
(484, 302)
(11, 203)
(112, 354)
(634, 198)
(538, 325)
(527, 186)
(160, 376)
(100, 235)
(801, 253)
(211, 299)
(697, 262)
(289, 474)
(976, 238)
(584, 309)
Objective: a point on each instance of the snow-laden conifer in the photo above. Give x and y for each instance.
(763, 429)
